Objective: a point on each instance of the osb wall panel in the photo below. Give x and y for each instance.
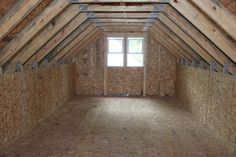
(211, 99)
(122, 81)
(29, 97)
(160, 69)
(90, 69)
(160, 76)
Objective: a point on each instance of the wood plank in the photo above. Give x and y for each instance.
(204, 54)
(16, 15)
(177, 39)
(122, 15)
(170, 41)
(207, 27)
(196, 35)
(119, 20)
(66, 42)
(171, 48)
(38, 43)
(214, 10)
(72, 44)
(119, 1)
(83, 45)
(59, 37)
(112, 8)
(32, 29)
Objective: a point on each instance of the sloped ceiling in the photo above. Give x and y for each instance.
(34, 31)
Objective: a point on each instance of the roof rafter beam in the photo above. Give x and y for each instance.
(73, 43)
(218, 13)
(57, 39)
(90, 38)
(38, 43)
(32, 29)
(207, 27)
(117, 1)
(16, 15)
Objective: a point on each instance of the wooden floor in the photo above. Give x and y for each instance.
(119, 127)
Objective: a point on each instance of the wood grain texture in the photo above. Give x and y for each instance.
(28, 97)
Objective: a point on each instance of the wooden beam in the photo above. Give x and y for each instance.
(16, 15)
(119, 20)
(57, 39)
(47, 33)
(219, 14)
(165, 42)
(73, 43)
(207, 27)
(64, 43)
(177, 48)
(117, 29)
(89, 39)
(119, 8)
(110, 24)
(32, 29)
(117, 1)
(177, 39)
(121, 15)
(188, 40)
(196, 35)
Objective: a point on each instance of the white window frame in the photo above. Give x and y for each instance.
(125, 47)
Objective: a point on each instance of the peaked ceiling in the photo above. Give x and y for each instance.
(36, 32)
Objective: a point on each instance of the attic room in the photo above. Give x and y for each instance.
(122, 78)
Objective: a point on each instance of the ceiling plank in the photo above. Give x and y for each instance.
(207, 27)
(16, 15)
(73, 43)
(32, 29)
(219, 14)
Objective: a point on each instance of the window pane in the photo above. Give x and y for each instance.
(115, 45)
(115, 60)
(135, 60)
(135, 45)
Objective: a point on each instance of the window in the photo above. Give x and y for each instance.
(129, 54)
(115, 52)
(135, 52)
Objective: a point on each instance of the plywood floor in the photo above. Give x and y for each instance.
(119, 127)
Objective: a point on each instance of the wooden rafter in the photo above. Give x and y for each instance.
(177, 39)
(197, 36)
(62, 45)
(48, 32)
(73, 43)
(220, 14)
(59, 37)
(207, 27)
(115, 1)
(90, 38)
(32, 29)
(16, 15)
